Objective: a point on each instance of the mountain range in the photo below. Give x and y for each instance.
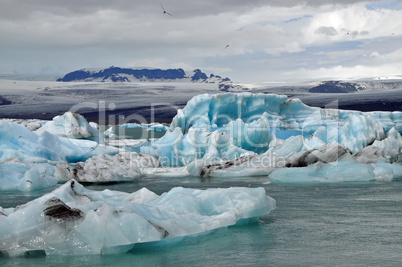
(117, 74)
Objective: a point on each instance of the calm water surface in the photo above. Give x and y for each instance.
(347, 224)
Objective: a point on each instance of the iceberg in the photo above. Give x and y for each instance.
(223, 135)
(340, 171)
(254, 134)
(28, 158)
(72, 125)
(76, 221)
(227, 126)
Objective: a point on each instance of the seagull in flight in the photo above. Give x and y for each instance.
(164, 11)
(226, 46)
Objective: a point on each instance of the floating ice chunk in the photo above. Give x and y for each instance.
(22, 149)
(73, 125)
(339, 171)
(324, 172)
(78, 221)
(125, 166)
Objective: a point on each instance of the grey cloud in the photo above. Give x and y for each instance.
(69, 35)
(328, 31)
(20, 9)
(356, 33)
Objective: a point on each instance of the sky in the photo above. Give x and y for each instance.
(247, 41)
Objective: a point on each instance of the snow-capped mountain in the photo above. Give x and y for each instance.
(355, 86)
(117, 74)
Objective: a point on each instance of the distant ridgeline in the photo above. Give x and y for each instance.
(355, 86)
(116, 74)
(336, 87)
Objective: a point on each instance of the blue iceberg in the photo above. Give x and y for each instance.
(228, 135)
(28, 158)
(76, 221)
(255, 134)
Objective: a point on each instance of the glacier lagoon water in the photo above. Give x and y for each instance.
(354, 224)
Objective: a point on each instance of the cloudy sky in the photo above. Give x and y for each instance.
(269, 40)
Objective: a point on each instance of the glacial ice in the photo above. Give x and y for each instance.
(229, 135)
(255, 134)
(251, 122)
(72, 125)
(340, 171)
(28, 158)
(77, 221)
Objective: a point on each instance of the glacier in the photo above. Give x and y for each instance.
(73, 220)
(221, 135)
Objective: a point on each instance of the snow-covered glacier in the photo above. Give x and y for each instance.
(218, 135)
(76, 221)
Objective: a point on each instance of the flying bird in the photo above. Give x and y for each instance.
(226, 46)
(43, 175)
(165, 12)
